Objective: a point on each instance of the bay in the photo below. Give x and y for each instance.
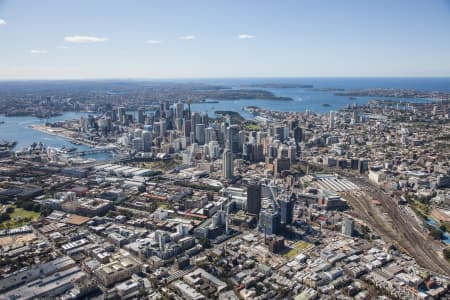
(18, 128)
(317, 101)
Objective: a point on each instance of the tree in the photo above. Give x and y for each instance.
(446, 253)
(36, 207)
(28, 205)
(46, 210)
(4, 217)
(205, 242)
(435, 233)
(259, 289)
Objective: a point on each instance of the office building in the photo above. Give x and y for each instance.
(363, 165)
(186, 128)
(331, 119)
(287, 210)
(281, 133)
(298, 134)
(141, 115)
(213, 150)
(121, 114)
(227, 160)
(210, 135)
(195, 119)
(269, 221)
(232, 139)
(292, 154)
(163, 127)
(138, 146)
(254, 199)
(200, 133)
(348, 227)
(179, 109)
(146, 141)
(117, 270)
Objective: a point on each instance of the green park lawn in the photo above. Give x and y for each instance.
(19, 218)
(297, 248)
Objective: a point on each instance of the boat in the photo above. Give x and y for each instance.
(66, 150)
(2, 122)
(8, 144)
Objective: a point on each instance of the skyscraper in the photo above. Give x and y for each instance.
(298, 134)
(121, 114)
(163, 127)
(242, 139)
(292, 151)
(178, 124)
(214, 150)
(147, 140)
(355, 115)
(186, 128)
(200, 133)
(227, 159)
(247, 152)
(254, 198)
(204, 118)
(269, 221)
(232, 140)
(156, 130)
(179, 109)
(137, 144)
(287, 210)
(260, 136)
(281, 132)
(141, 115)
(348, 227)
(331, 119)
(210, 135)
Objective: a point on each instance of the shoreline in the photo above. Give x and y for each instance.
(63, 133)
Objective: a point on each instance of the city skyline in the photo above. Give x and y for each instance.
(234, 150)
(107, 39)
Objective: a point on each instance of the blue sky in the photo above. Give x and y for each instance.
(62, 39)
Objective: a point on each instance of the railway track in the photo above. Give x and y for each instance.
(404, 231)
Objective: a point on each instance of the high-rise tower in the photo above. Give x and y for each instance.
(227, 159)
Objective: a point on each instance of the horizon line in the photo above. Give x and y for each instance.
(222, 77)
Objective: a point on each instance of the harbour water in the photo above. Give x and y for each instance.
(318, 101)
(18, 128)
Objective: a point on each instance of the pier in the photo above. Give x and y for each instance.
(91, 151)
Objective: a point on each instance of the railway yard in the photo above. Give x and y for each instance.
(397, 224)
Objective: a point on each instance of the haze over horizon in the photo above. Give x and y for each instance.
(102, 39)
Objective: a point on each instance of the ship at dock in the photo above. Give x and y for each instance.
(68, 149)
(8, 144)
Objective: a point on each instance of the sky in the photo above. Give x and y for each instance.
(68, 39)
